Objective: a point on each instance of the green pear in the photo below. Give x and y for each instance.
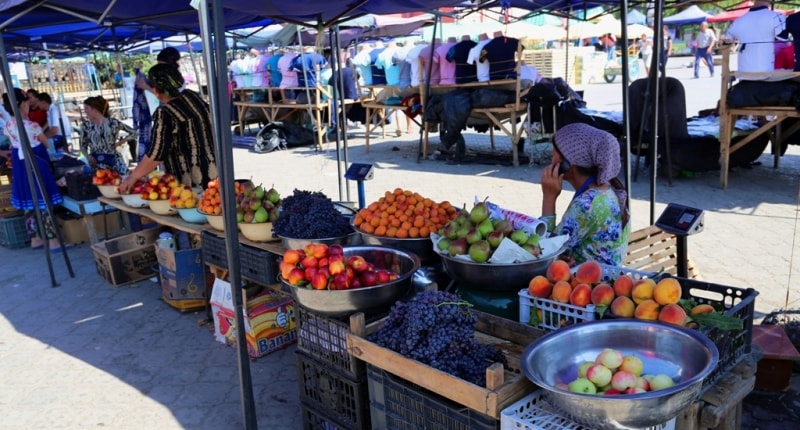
(480, 251)
(463, 230)
(258, 193)
(485, 227)
(519, 237)
(443, 245)
(479, 212)
(261, 215)
(473, 236)
(273, 196)
(494, 238)
(458, 247)
(533, 240)
(504, 227)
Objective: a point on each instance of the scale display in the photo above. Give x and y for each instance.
(359, 172)
(680, 220)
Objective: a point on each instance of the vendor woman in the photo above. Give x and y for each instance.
(596, 218)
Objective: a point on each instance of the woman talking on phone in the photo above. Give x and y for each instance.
(596, 218)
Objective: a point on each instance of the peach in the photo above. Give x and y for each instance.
(667, 291)
(602, 295)
(610, 358)
(581, 295)
(702, 309)
(589, 272)
(622, 380)
(647, 310)
(599, 375)
(673, 314)
(623, 286)
(558, 270)
(633, 364)
(561, 291)
(623, 307)
(643, 290)
(540, 286)
(584, 367)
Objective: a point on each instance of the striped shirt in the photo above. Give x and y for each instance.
(182, 139)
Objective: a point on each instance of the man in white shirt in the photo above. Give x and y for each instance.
(756, 31)
(706, 39)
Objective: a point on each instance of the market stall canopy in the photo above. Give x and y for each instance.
(636, 31)
(737, 11)
(636, 17)
(518, 30)
(691, 15)
(583, 29)
(609, 24)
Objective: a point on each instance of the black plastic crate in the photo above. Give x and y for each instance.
(325, 339)
(80, 186)
(332, 393)
(13, 233)
(258, 265)
(314, 420)
(397, 404)
(740, 303)
(214, 251)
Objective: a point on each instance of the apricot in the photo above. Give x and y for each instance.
(673, 314)
(623, 306)
(643, 290)
(602, 295)
(539, 286)
(589, 272)
(702, 309)
(581, 295)
(558, 270)
(623, 286)
(647, 310)
(667, 291)
(561, 291)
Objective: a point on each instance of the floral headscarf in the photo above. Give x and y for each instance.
(586, 146)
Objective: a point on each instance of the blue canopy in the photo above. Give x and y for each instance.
(636, 17)
(691, 15)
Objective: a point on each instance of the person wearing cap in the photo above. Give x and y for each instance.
(181, 136)
(596, 218)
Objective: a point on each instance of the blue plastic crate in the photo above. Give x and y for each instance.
(13, 233)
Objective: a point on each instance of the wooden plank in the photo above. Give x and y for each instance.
(712, 415)
(489, 401)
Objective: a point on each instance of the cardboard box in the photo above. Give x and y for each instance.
(183, 274)
(73, 228)
(128, 258)
(269, 319)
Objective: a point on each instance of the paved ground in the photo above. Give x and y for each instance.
(86, 354)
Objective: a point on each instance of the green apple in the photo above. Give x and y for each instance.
(582, 385)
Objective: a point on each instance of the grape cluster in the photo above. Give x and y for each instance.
(310, 215)
(437, 328)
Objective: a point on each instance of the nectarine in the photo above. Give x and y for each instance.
(602, 295)
(581, 295)
(702, 309)
(672, 314)
(667, 291)
(643, 290)
(623, 286)
(558, 270)
(623, 307)
(540, 286)
(647, 310)
(561, 291)
(589, 272)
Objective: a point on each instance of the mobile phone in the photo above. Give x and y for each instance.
(563, 166)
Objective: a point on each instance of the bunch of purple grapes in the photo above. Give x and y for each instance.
(437, 328)
(310, 215)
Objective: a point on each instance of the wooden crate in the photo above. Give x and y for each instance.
(503, 387)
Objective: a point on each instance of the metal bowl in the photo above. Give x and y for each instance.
(684, 354)
(422, 247)
(496, 277)
(294, 243)
(370, 300)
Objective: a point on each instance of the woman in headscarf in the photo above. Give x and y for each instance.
(596, 219)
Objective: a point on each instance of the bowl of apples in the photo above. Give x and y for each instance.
(107, 181)
(134, 197)
(611, 374)
(348, 279)
(157, 191)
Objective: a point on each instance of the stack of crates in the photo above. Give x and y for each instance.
(332, 383)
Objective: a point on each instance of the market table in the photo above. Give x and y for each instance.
(85, 209)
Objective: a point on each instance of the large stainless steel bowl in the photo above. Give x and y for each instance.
(422, 247)
(497, 277)
(370, 300)
(294, 243)
(684, 354)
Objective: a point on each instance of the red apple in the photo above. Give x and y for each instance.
(356, 283)
(358, 263)
(309, 261)
(309, 273)
(319, 281)
(296, 277)
(369, 279)
(341, 282)
(383, 276)
(335, 249)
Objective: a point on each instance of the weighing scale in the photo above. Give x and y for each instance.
(360, 172)
(681, 221)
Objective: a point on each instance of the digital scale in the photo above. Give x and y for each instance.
(681, 221)
(360, 172)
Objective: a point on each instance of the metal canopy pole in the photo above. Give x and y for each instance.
(626, 127)
(437, 22)
(223, 145)
(33, 173)
(658, 73)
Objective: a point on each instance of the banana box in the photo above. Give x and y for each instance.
(269, 322)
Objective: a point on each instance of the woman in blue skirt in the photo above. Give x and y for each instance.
(21, 197)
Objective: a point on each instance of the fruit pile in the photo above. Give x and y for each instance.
(183, 197)
(611, 373)
(624, 297)
(257, 205)
(106, 177)
(310, 215)
(322, 267)
(437, 328)
(211, 200)
(403, 214)
(159, 187)
(474, 233)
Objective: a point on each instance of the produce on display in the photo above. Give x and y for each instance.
(403, 214)
(310, 215)
(257, 205)
(106, 177)
(159, 187)
(611, 373)
(437, 328)
(211, 199)
(650, 299)
(324, 267)
(138, 186)
(183, 197)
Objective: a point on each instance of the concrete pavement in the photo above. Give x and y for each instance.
(87, 354)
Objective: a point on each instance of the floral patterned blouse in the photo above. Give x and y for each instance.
(102, 139)
(593, 222)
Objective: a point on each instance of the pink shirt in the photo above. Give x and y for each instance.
(288, 76)
(424, 58)
(447, 69)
